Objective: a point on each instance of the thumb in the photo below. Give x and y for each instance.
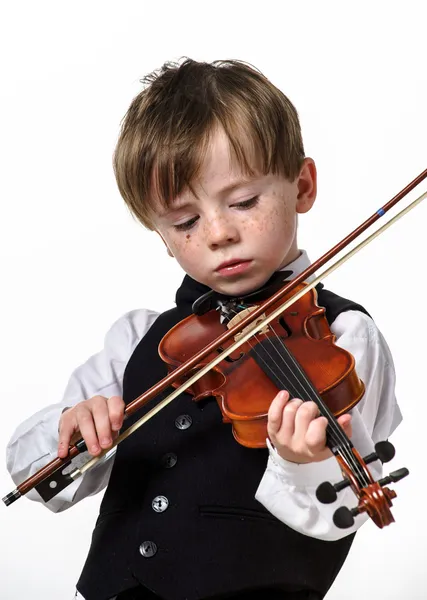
(345, 422)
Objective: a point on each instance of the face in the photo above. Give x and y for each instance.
(236, 231)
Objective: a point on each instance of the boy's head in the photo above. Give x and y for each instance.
(211, 157)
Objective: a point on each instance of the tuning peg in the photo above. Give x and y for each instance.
(326, 493)
(344, 517)
(394, 476)
(384, 451)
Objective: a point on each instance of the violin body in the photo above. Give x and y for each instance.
(246, 382)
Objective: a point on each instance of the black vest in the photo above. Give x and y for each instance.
(214, 537)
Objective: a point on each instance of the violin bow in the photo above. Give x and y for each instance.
(54, 477)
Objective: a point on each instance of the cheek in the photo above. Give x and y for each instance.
(278, 221)
(183, 245)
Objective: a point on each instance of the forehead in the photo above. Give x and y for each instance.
(220, 171)
(217, 171)
(219, 160)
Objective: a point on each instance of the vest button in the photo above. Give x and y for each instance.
(160, 503)
(183, 422)
(148, 549)
(169, 460)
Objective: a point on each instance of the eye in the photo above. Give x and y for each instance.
(246, 204)
(185, 226)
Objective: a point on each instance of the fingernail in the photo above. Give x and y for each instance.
(105, 441)
(95, 448)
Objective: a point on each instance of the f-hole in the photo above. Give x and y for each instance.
(230, 358)
(285, 326)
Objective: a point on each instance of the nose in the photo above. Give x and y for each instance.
(220, 232)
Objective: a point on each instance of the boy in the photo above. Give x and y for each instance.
(211, 158)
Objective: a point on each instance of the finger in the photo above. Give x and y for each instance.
(101, 419)
(116, 409)
(275, 412)
(76, 437)
(307, 412)
(87, 428)
(345, 422)
(287, 428)
(315, 437)
(67, 426)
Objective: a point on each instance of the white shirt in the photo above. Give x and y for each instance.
(287, 489)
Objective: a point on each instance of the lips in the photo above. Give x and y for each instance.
(230, 263)
(236, 266)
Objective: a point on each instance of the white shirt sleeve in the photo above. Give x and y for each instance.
(288, 490)
(35, 442)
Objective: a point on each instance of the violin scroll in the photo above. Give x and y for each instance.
(374, 498)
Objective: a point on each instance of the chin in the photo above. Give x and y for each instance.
(240, 287)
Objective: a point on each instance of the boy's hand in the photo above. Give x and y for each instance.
(98, 420)
(298, 432)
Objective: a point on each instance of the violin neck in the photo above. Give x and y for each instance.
(337, 444)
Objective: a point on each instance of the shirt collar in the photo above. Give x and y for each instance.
(300, 264)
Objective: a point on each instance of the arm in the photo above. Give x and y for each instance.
(35, 442)
(288, 489)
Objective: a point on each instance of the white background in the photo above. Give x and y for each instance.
(73, 260)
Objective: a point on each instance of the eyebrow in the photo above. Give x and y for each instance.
(172, 209)
(236, 184)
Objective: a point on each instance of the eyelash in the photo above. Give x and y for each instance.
(245, 205)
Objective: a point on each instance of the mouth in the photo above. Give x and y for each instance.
(233, 267)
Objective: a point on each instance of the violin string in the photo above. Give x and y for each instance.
(336, 434)
(335, 431)
(290, 386)
(288, 382)
(304, 381)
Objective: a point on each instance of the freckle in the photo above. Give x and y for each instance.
(188, 236)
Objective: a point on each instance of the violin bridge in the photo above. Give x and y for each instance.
(240, 316)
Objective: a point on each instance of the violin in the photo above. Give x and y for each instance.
(242, 352)
(296, 352)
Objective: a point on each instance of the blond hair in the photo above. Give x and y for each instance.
(166, 131)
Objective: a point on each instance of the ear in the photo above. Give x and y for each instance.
(307, 186)
(168, 250)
